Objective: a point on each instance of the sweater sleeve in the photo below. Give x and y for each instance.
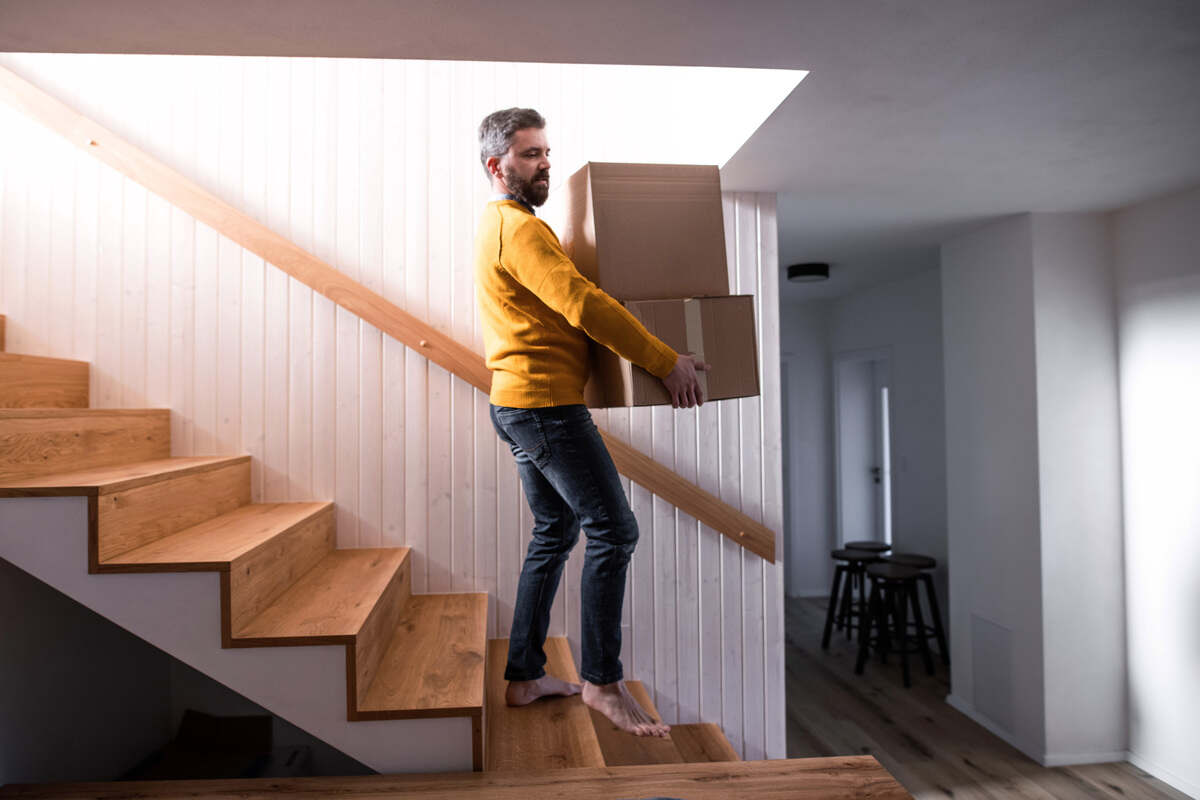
(534, 257)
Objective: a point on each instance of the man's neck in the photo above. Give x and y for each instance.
(502, 194)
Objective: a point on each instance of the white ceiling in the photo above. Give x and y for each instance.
(918, 119)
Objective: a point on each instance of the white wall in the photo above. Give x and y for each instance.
(80, 699)
(808, 433)
(1079, 469)
(1033, 461)
(905, 317)
(1156, 247)
(372, 166)
(992, 504)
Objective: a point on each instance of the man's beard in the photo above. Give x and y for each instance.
(526, 190)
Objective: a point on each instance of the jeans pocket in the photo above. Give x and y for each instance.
(524, 428)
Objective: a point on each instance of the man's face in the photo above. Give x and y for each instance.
(525, 168)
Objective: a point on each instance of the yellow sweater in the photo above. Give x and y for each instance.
(538, 313)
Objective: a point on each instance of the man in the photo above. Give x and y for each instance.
(538, 313)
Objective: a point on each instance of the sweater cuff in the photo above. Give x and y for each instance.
(664, 361)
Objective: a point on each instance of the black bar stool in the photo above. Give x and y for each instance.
(925, 563)
(893, 591)
(842, 607)
(868, 546)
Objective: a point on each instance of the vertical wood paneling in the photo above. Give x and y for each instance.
(372, 166)
(268, 195)
(370, 427)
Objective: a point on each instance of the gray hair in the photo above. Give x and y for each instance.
(498, 128)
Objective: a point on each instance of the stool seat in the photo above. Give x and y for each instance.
(892, 572)
(849, 554)
(870, 547)
(911, 560)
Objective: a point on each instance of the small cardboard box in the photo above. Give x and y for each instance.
(647, 231)
(718, 330)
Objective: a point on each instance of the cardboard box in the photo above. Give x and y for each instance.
(719, 330)
(647, 231)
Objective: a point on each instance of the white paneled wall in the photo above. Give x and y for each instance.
(372, 166)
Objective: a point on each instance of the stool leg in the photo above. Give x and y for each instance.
(852, 620)
(833, 601)
(902, 628)
(864, 629)
(911, 590)
(931, 593)
(884, 620)
(843, 617)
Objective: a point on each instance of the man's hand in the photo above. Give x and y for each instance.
(682, 383)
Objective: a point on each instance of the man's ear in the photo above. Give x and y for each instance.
(493, 167)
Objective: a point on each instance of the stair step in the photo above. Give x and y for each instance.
(3, 322)
(330, 603)
(40, 382)
(217, 543)
(703, 741)
(550, 733)
(112, 479)
(625, 749)
(434, 663)
(43, 441)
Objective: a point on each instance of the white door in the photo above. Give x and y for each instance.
(863, 446)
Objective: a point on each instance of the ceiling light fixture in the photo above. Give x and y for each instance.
(808, 273)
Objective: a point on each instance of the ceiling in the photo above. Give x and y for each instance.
(918, 119)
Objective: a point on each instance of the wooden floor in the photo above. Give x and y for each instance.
(932, 749)
(844, 778)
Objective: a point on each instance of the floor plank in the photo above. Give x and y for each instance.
(931, 748)
(806, 779)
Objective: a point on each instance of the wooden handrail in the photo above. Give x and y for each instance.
(353, 296)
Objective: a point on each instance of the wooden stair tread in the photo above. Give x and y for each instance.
(215, 543)
(625, 749)
(434, 663)
(550, 733)
(330, 602)
(47, 441)
(28, 381)
(107, 480)
(702, 741)
(18, 358)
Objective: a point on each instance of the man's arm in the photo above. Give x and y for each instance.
(539, 263)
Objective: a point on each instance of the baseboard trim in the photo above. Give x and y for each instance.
(1166, 776)
(1075, 759)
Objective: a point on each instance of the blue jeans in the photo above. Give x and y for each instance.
(569, 481)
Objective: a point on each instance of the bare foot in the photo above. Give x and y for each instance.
(521, 693)
(614, 701)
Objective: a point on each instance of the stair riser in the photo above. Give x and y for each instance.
(3, 321)
(258, 578)
(138, 516)
(35, 382)
(34, 444)
(372, 641)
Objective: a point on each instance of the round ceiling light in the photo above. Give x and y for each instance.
(808, 273)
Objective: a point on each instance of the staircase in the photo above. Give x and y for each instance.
(281, 583)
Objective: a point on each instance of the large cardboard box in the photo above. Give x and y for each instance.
(647, 231)
(719, 330)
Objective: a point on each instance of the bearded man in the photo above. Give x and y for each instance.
(538, 314)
